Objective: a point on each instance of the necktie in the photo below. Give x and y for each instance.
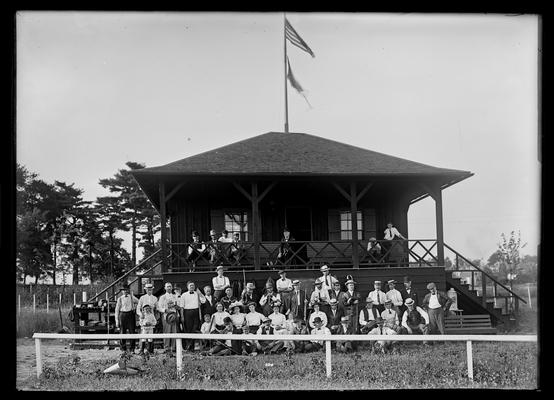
(327, 280)
(378, 298)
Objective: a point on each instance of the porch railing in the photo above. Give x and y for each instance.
(303, 255)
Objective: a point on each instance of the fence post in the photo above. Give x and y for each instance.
(34, 303)
(60, 300)
(328, 358)
(84, 294)
(469, 360)
(47, 306)
(39, 357)
(529, 295)
(74, 298)
(179, 355)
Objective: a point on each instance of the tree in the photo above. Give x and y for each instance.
(509, 249)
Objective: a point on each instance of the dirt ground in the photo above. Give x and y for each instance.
(52, 351)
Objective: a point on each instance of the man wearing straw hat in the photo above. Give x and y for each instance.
(327, 280)
(395, 297)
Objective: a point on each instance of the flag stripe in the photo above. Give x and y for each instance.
(294, 38)
(294, 83)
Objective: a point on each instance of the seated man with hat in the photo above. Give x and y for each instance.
(345, 328)
(378, 296)
(380, 329)
(228, 299)
(298, 327)
(407, 292)
(268, 346)
(125, 316)
(368, 317)
(334, 316)
(214, 247)
(317, 313)
(394, 296)
(374, 250)
(249, 295)
(195, 250)
(390, 317)
(268, 298)
(436, 304)
(319, 330)
(414, 320)
(223, 347)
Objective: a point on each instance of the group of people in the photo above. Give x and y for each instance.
(283, 308)
(218, 248)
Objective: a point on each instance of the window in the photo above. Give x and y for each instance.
(237, 222)
(346, 225)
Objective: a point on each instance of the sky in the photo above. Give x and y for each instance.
(98, 89)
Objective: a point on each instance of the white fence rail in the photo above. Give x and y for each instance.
(327, 338)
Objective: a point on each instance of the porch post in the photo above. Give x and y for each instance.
(354, 215)
(439, 222)
(163, 224)
(256, 225)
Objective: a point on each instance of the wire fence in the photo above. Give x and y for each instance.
(469, 339)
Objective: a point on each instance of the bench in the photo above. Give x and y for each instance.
(469, 324)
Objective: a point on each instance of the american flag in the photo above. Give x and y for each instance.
(295, 39)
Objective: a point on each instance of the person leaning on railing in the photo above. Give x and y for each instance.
(195, 250)
(390, 234)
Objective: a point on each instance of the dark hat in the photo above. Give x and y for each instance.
(286, 229)
(171, 317)
(317, 319)
(125, 286)
(407, 279)
(146, 306)
(250, 303)
(324, 267)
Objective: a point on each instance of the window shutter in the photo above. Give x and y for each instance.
(333, 219)
(370, 222)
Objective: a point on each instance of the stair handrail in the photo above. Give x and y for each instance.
(148, 270)
(492, 278)
(125, 275)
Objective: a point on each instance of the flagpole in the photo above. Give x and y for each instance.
(286, 86)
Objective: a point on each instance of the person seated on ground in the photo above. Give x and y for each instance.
(218, 318)
(395, 296)
(374, 250)
(253, 318)
(248, 295)
(299, 328)
(268, 346)
(195, 251)
(316, 313)
(334, 316)
(223, 347)
(368, 317)
(268, 299)
(380, 329)
(414, 320)
(228, 299)
(320, 296)
(390, 317)
(345, 328)
(319, 330)
(147, 323)
(248, 346)
(278, 320)
(214, 248)
(205, 328)
(237, 250)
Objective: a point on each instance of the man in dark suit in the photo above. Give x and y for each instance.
(209, 306)
(350, 300)
(334, 316)
(345, 328)
(408, 292)
(249, 296)
(336, 293)
(297, 301)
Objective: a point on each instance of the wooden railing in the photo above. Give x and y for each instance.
(511, 299)
(303, 255)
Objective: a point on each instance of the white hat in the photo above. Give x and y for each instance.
(333, 302)
(148, 286)
(324, 267)
(409, 301)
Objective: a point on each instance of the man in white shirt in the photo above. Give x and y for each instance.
(378, 297)
(327, 280)
(190, 302)
(319, 330)
(391, 233)
(368, 317)
(414, 320)
(284, 288)
(125, 316)
(395, 296)
(220, 283)
(436, 304)
(167, 306)
(147, 298)
(390, 317)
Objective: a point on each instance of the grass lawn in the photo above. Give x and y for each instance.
(442, 365)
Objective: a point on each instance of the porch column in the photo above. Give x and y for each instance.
(256, 224)
(163, 224)
(354, 220)
(439, 224)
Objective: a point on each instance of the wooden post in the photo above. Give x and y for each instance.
(529, 295)
(328, 358)
(74, 298)
(179, 355)
(439, 223)
(163, 224)
(354, 224)
(34, 303)
(60, 300)
(255, 225)
(84, 295)
(484, 289)
(38, 352)
(469, 360)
